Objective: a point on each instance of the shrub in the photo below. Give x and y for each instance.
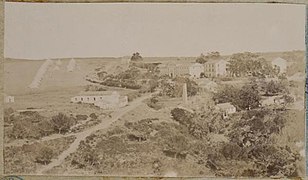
(81, 117)
(62, 123)
(182, 116)
(231, 151)
(44, 155)
(93, 116)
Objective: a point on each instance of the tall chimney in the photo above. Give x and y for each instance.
(184, 93)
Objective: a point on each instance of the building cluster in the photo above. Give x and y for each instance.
(105, 100)
(213, 68)
(210, 69)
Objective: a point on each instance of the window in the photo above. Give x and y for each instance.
(81, 99)
(94, 98)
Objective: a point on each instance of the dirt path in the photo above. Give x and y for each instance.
(82, 135)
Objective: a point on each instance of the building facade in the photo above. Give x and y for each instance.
(104, 101)
(226, 108)
(9, 99)
(215, 68)
(173, 70)
(195, 70)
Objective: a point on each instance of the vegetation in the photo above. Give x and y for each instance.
(246, 97)
(174, 88)
(136, 57)
(27, 158)
(34, 126)
(62, 123)
(154, 103)
(245, 64)
(44, 156)
(210, 56)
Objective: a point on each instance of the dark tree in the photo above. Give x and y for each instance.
(136, 57)
(61, 123)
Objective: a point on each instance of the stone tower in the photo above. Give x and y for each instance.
(184, 93)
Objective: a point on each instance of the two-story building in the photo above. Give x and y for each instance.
(195, 70)
(173, 70)
(215, 68)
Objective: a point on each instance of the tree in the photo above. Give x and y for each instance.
(182, 116)
(226, 93)
(61, 123)
(272, 88)
(248, 97)
(212, 55)
(136, 57)
(201, 59)
(44, 155)
(243, 64)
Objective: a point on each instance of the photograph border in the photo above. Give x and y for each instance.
(59, 177)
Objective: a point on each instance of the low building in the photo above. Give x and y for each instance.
(207, 85)
(195, 70)
(226, 108)
(215, 68)
(104, 100)
(173, 70)
(281, 64)
(9, 99)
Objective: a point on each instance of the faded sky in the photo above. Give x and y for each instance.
(35, 31)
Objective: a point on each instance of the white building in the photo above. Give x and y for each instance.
(104, 100)
(173, 70)
(207, 85)
(226, 108)
(281, 64)
(9, 99)
(195, 70)
(215, 68)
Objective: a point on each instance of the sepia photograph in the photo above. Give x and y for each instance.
(154, 89)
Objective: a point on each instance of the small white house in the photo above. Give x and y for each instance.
(281, 64)
(9, 99)
(206, 85)
(227, 108)
(195, 70)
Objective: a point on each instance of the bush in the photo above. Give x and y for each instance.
(62, 123)
(93, 116)
(81, 117)
(182, 116)
(231, 151)
(44, 155)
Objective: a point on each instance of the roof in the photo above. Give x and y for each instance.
(97, 93)
(196, 64)
(225, 105)
(211, 61)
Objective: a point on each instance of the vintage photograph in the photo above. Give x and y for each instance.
(154, 89)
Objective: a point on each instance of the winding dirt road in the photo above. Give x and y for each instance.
(82, 135)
